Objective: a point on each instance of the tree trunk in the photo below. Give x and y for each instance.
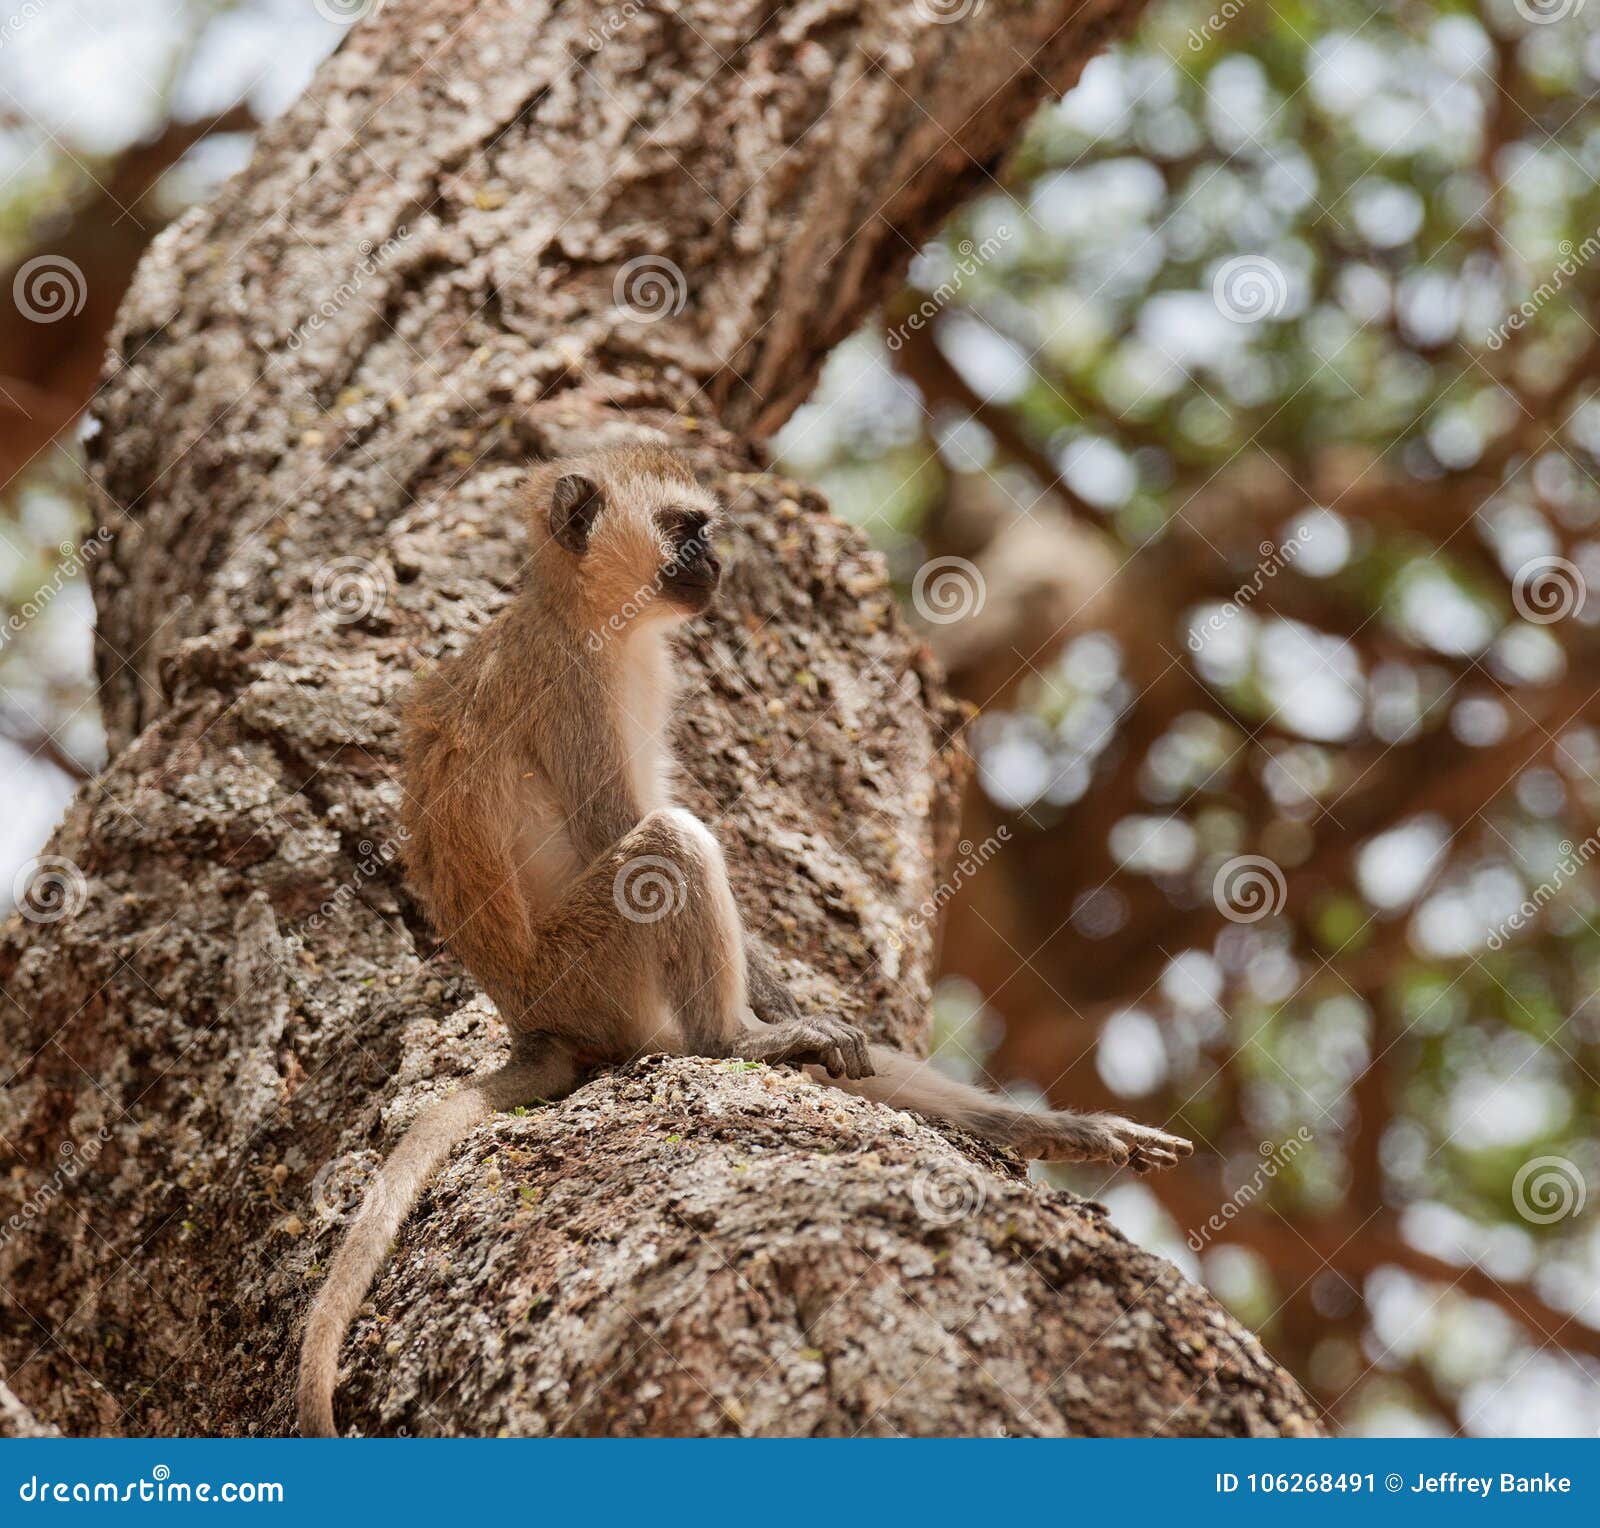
(492, 231)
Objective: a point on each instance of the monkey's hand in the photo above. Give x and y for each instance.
(1067, 1137)
(826, 1042)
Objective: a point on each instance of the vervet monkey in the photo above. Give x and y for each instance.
(545, 844)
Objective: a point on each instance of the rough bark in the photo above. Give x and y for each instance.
(238, 1005)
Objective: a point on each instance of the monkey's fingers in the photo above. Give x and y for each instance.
(853, 1051)
(1074, 1138)
(851, 1046)
(1146, 1138)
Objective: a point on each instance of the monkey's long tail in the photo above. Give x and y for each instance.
(387, 1203)
(904, 1082)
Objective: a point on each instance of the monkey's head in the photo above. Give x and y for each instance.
(634, 530)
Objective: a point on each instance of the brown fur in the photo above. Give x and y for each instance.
(538, 781)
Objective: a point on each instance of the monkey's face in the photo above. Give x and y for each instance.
(642, 542)
(690, 569)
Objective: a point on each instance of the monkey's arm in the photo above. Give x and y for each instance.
(769, 999)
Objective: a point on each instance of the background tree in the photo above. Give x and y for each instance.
(491, 231)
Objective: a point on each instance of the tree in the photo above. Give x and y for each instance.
(491, 231)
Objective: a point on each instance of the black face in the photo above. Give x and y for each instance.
(690, 574)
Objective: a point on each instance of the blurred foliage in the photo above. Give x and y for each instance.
(1258, 392)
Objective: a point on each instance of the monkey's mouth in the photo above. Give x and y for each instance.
(692, 589)
(693, 581)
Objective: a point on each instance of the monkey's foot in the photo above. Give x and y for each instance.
(1064, 1137)
(826, 1042)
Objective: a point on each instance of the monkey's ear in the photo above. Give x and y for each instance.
(575, 504)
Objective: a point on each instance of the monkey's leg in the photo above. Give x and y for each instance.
(541, 1068)
(650, 932)
(1059, 1135)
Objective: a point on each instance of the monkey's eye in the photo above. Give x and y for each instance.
(685, 525)
(688, 534)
